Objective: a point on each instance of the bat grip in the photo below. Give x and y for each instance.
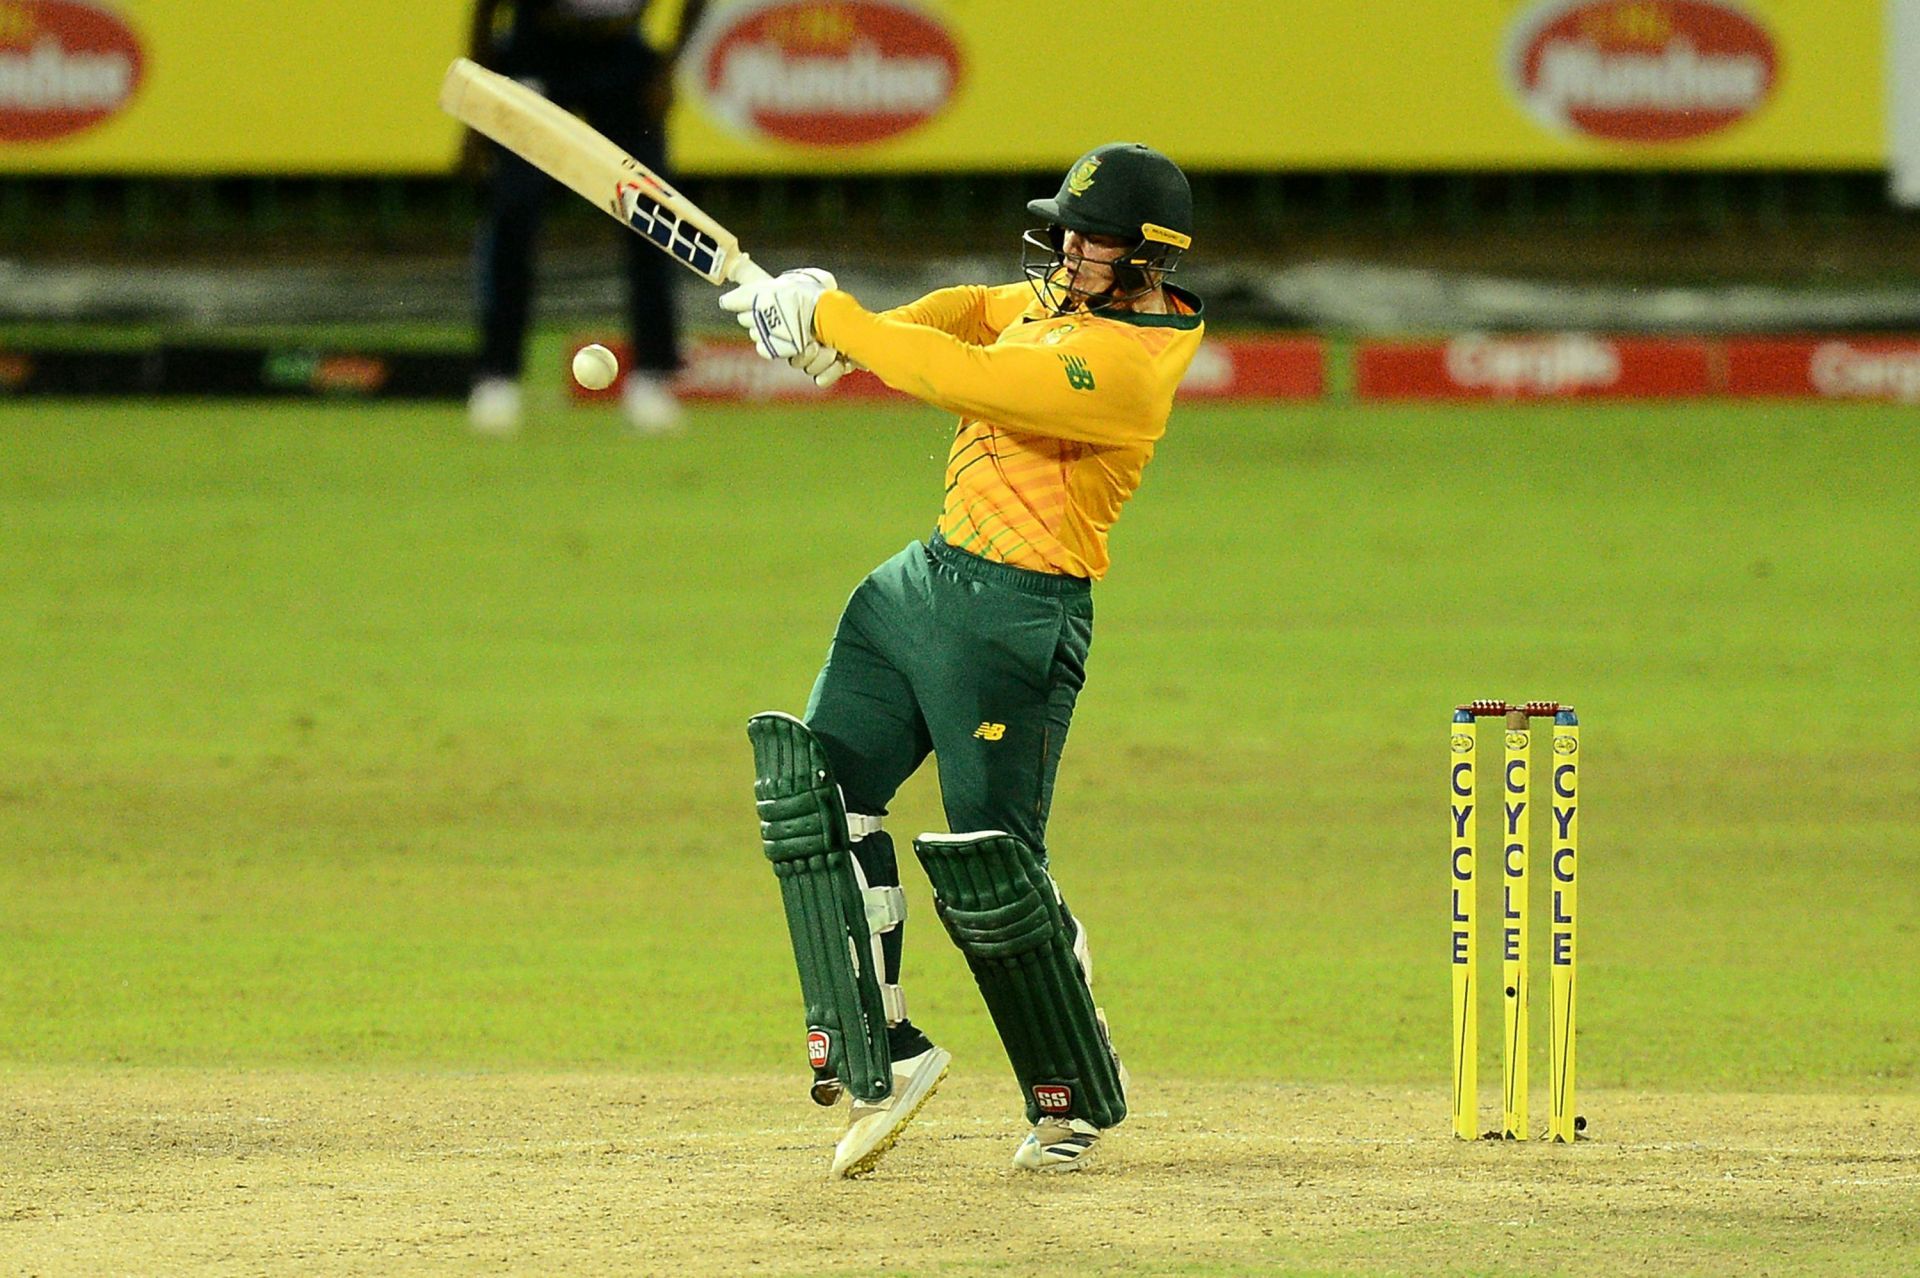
(748, 271)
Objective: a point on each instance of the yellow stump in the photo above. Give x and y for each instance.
(1562, 952)
(1514, 931)
(1466, 1021)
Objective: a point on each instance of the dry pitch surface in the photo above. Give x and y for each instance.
(214, 1173)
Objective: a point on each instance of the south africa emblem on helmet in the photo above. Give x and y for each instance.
(1080, 181)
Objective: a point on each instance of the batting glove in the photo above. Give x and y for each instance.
(779, 312)
(823, 364)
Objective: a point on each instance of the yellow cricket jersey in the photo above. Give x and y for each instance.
(1059, 414)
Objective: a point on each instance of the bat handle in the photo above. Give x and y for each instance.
(747, 271)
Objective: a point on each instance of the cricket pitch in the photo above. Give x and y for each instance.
(160, 1171)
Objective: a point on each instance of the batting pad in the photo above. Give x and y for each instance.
(1003, 911)
(803, 825)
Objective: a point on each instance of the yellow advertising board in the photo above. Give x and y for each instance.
(1248, 84)
(225, 86)
(861, 86)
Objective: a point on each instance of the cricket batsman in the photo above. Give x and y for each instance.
(972, 646)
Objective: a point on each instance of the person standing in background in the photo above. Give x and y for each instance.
(591, 58)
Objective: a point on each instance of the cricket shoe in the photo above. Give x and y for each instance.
(874, 1128)
(493, 408)
(1057, 1144)
(650, 405)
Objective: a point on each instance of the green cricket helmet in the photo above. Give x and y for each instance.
(1127, 191)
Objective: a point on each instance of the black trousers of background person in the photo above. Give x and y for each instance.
(608, 82)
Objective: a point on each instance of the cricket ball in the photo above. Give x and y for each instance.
(594, 367)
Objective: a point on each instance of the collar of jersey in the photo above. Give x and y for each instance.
(1162, 321)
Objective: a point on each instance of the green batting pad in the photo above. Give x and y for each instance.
(1000, 907)
(803, 825)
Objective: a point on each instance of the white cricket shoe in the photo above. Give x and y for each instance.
(873, 1128)
(650, 405)
(493, 406)
(1057, 1144)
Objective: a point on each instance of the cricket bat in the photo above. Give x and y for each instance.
(565, 148)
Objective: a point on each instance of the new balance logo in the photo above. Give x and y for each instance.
(1079, 376)
(990, 731)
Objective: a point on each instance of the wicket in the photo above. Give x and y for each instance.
(1564, 808)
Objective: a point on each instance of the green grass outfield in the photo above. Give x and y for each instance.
(336, 738)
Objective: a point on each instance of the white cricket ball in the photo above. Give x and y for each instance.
(594, 367)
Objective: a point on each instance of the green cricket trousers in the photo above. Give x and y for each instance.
(978, 662)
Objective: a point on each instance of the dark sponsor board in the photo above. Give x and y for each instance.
(291, 372)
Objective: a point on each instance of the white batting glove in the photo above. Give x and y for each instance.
(823, 364)
(840, 367)
(779, 312)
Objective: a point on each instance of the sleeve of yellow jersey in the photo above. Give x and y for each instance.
(1097, 386)
(969, 312)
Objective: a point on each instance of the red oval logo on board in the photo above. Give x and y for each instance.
(825, 73)
(1641, 70)
(64, 66)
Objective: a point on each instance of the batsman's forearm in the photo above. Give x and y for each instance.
(960, 311)
(1023, 387)
(907, 356)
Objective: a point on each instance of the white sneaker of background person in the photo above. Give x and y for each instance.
(651, 406)
(493, 406)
